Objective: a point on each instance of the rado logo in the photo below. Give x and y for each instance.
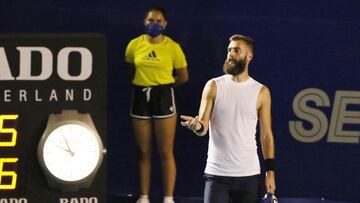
(13, 200)
(79, 200)
(46, 66)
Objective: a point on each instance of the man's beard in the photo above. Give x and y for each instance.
(234, 68)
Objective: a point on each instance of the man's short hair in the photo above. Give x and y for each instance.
(249, 41)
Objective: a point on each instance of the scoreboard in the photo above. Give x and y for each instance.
(53, 90)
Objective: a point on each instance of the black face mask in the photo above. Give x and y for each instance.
(153, 29)
(234, 68)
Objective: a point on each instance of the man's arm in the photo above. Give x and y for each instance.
(266, 137)
(200, 124)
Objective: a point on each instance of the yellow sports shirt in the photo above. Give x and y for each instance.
(154, 62)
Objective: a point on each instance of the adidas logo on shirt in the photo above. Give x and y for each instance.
(151, 56)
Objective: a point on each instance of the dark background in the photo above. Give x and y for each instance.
(300, 44)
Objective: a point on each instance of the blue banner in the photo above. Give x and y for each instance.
(307, 53)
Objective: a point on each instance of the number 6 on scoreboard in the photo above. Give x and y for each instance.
(8, 185)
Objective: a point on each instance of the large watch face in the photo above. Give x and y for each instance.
(71, 152)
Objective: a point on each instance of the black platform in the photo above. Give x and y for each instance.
(132, 199)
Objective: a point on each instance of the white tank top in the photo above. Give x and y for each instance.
(232, 145)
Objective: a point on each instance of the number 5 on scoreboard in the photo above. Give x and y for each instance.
(11, 131)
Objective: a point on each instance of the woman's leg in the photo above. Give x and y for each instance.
(143, 129)
(165, 134)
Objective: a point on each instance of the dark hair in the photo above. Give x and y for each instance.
(156, 8)
(249, 41)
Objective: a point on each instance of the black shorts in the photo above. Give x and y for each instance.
(221, 189)
(153, 102)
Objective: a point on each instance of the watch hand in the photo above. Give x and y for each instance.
(67, 144)
(60, 147)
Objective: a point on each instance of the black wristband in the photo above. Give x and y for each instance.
(269, 164)
(201, 128)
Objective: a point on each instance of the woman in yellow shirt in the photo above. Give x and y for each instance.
(152, 57)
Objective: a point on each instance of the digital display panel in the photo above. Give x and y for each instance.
(40, 75)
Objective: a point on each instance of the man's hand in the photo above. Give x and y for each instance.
(270, 182)
(192, 123)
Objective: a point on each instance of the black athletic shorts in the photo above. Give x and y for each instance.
(153, 102)
(221, 189)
